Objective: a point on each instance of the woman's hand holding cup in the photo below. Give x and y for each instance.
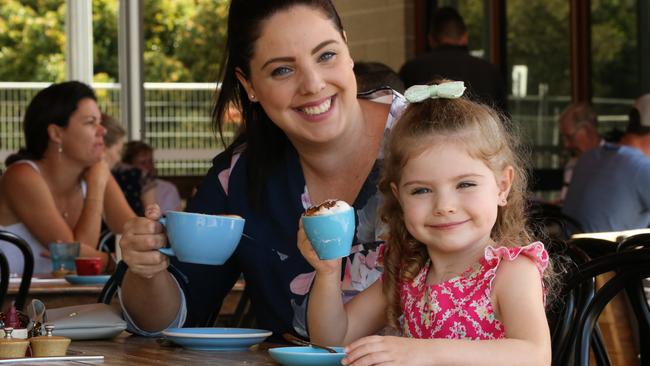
(142, 238)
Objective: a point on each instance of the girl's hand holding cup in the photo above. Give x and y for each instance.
(307, 250)
(142, 238)
(325, 235)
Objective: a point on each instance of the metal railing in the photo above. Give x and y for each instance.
(178, 123)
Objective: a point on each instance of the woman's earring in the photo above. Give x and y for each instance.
(60, 148)
(252, 97)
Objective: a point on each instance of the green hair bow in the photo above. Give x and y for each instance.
(449, 90)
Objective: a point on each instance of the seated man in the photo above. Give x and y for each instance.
(579, 134)
(609, 189)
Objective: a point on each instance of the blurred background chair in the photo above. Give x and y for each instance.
(637, 294)
(28, 271)
(548, 222)
(584, 307)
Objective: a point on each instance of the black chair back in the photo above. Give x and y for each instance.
(586, 306)
(28, 267)
(547, 221)
(636, 294)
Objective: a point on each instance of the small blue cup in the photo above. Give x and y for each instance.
(62, 256)
(201, 239)
(330, 235)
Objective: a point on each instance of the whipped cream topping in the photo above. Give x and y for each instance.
(328, 207)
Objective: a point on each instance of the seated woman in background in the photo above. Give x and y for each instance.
(136, 185)
(58, 187)
(140, 155)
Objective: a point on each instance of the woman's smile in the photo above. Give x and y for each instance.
(319, 110)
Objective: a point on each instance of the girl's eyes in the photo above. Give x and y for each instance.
(466, 185)
(420, 190)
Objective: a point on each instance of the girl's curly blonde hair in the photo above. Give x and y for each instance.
(483, 132)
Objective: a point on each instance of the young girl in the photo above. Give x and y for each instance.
(460, 281)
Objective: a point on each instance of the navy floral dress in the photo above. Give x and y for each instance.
(277, 277)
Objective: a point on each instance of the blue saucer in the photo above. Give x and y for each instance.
(306, 356)
(87, 280)
(216, 339)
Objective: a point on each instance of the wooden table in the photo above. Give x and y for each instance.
(613, 236)
(139, 351)
(55, 292)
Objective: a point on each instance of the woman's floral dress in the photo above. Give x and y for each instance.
(460, 308)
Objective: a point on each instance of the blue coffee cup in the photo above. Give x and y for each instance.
(201, 239)
(331, 235)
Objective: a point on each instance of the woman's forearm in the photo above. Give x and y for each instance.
(139, 296)
(88, 227)
(326, 315)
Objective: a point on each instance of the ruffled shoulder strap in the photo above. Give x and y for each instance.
(535, 251)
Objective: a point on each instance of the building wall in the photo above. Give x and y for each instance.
(379, 30)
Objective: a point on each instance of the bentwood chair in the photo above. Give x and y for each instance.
(548, 222)
(584, 307)
(636, 294)
(28, 268)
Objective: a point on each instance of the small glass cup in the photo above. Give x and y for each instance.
(63, 256)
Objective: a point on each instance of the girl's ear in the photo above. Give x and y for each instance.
(505, 183)
(55, 133)
(250, 91)
(393, 187)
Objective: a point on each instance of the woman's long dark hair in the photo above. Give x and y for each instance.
(265, 142)
(52, 105)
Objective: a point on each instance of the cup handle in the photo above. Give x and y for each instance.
(167, 251)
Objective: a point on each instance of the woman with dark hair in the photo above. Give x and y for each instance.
(58, 187)
(306, 136)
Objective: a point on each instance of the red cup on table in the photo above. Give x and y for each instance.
(88, 266)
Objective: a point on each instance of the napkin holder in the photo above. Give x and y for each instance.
(79, 322)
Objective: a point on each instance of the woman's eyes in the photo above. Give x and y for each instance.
(284, 70)
(325, 56)
(280, 71)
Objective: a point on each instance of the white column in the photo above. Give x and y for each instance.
(131, 40)
(79, 36)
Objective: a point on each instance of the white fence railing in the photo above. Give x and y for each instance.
(178, 123)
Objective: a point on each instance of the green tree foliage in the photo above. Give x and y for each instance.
(32, 40)
(184, 40)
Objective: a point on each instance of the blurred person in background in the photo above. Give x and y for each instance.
(375, 75)
(140, 155)
(58, 187)
(137, 184)
(609, 189)
(449, 58)
(579, 134)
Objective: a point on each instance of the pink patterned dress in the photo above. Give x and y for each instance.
(460, 308)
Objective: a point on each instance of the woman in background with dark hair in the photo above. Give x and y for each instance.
(58, 187)
(305, 136)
